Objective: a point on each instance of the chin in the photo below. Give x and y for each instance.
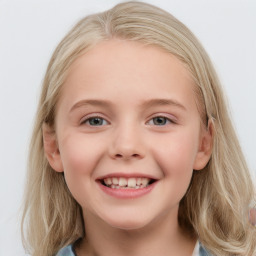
(127, 223)
(128, 226)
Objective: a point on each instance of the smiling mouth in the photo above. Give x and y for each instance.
(126, 183)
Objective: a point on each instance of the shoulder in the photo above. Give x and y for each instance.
(66, 251)
(203, 251)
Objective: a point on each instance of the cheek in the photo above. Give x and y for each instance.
(175, 156)
(73, 155)
(79, 152)
(80, 156)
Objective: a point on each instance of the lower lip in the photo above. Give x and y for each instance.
(127, 193)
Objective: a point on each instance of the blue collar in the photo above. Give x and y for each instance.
(69, 251)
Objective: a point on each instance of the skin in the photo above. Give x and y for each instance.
(252, 216)
(132, 84)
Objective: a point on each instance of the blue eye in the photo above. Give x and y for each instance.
(159, 121)
(95, 121)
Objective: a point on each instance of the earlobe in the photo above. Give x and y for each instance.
(205, 147)
(51, 148)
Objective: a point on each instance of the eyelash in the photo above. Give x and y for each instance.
(102, 120)
(93, 118)
(166, 119)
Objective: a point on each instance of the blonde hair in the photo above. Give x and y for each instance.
(216, 204)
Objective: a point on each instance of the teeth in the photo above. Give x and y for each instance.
(122, 182)
(144, 181)
(108, 181)
(138, 181)
(115, 181)
(132, 183)
(126, 183)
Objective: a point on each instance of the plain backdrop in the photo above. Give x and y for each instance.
(29, 32)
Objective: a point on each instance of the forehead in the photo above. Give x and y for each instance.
(122, 69)
(117, 53)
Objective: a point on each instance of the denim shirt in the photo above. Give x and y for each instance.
(69, 251)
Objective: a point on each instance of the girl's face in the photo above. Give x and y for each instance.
(128, 134)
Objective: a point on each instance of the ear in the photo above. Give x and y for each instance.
(204, 148)
(51, 148)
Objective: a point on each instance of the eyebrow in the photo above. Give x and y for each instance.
(146, 104)
(92, 102)
(163, 102)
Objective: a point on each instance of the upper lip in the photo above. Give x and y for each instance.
(127, 175)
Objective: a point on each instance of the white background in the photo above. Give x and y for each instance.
(29, 32)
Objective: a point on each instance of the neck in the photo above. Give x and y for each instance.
(161, 237)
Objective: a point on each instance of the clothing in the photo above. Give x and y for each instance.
(66, 251)
(198, 251)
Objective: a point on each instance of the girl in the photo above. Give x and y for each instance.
(133, 151)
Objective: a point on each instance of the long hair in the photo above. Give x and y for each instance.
(216, 204)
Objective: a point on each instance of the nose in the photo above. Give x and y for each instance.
(127, 144)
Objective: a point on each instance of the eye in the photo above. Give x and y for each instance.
(95, 121)
(160, 121)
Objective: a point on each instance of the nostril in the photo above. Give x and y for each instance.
(124, 156)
